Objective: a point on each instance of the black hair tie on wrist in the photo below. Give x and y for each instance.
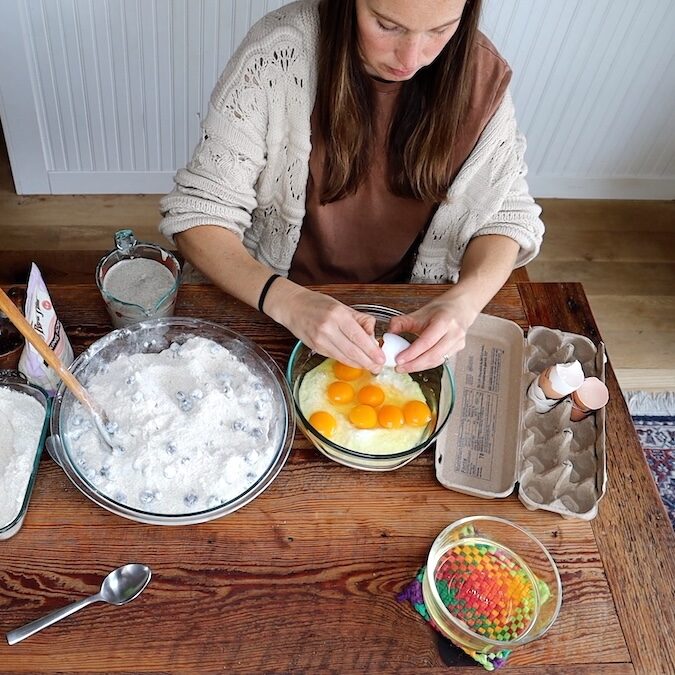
(265, 289)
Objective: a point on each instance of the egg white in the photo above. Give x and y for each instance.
(398, 389)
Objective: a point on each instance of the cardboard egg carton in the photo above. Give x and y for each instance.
(495, 438)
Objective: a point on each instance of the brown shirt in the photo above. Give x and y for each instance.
(372, 235)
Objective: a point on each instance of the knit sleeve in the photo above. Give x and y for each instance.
(488, 196)
(518, 213)
(217, 187)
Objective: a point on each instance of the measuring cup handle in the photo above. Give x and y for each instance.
(125, 240)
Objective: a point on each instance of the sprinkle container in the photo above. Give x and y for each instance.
(490, 586)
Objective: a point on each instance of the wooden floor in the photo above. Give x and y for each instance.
(622, 251)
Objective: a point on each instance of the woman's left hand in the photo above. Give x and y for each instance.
(441, 326)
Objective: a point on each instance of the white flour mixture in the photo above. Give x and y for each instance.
(195, 428)
(21, 421)
(139, 281)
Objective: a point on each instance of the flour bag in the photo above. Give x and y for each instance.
(41, 315)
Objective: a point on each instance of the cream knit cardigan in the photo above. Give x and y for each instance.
(249, 172)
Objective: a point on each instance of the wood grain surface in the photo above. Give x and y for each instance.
(634, 536)
(74, 266)
(305, 577)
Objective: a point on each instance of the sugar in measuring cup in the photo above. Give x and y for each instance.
(137, 280)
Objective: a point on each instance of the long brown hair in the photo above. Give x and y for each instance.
(424, 123)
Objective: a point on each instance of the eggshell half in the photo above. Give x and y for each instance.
(593, 393)
(392, 346)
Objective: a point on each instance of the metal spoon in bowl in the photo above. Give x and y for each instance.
(103, 424)
(121, 586)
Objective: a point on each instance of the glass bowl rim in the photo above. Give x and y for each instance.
(149, 517)
(415, 450)
(524, 639)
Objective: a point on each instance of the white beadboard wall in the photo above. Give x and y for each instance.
(105, 96)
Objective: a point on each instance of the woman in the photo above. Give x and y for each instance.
(365, 141)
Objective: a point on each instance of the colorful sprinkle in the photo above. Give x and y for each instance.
(487, 589)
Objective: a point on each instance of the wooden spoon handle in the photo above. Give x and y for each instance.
(22, 325)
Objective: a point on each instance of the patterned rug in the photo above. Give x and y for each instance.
(654, 419)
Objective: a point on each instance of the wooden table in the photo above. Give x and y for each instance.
(305, 578)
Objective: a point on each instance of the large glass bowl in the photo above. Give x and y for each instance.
(154, 336)
(491, 586)
(436, 384)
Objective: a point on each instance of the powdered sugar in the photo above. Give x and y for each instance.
(196, 429)
(21, 421)
(139, 281)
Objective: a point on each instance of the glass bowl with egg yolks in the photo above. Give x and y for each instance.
(364, 421)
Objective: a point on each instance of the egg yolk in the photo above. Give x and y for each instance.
(324, 423)
(416, 413)
(363, 416)
(344, 372)
(371, 395)
(340, 392)
(390, 417)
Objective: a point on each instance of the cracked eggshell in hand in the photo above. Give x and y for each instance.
(392, 346)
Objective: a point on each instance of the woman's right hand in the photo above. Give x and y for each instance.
(326, 325)
(321, 322)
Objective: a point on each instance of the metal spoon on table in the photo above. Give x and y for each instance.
(121, 586)
(103, 424)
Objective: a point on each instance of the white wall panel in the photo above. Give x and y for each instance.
(117, 89)
(594, 86)
(22, 120)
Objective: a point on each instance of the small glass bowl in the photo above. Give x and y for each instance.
(152, 336)
(437, 385)
(11, 341)
(15, 383)
(490, 585)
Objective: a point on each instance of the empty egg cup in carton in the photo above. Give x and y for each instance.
(496, 438)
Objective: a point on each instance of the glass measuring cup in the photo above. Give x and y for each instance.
(137, 280)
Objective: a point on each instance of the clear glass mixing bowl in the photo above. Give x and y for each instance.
(437, 385)
(154, 336)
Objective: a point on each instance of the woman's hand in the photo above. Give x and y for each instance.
(321, 322)
(441, 326)
(326, 325)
